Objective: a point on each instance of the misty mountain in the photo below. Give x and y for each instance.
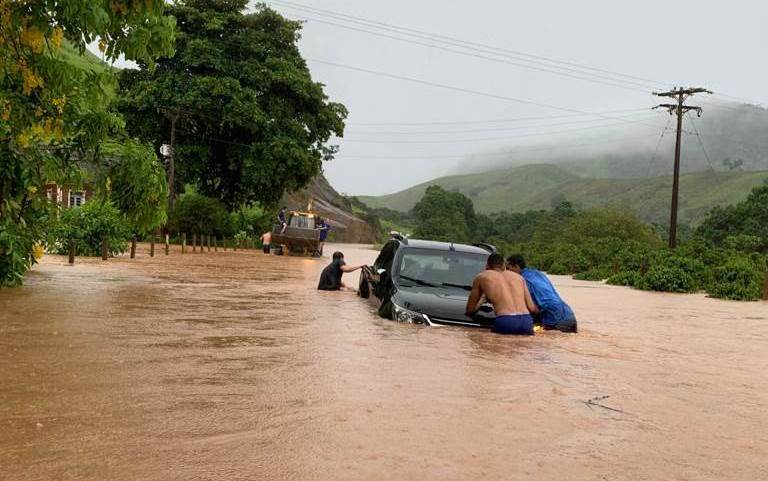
(734, 137)
(537, 187)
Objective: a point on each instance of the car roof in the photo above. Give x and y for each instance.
(442, 246)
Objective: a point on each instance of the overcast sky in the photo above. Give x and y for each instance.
(715, 44)
(710, 43)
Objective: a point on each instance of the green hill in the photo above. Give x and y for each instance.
(534, 187)
(85, 61)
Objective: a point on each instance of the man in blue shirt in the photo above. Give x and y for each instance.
(323, 226)
(555, 313)
(282, 222)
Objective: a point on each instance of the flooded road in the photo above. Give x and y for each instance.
(231, 366)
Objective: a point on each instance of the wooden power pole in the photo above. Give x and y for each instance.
(172, 165)
(679, 109)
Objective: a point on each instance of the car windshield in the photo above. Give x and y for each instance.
(429, 267)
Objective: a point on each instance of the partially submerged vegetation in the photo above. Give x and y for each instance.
(725, 256)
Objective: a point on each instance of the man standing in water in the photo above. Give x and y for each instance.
(330, 279)
(266, 240)
(507, 291)
(555, 313)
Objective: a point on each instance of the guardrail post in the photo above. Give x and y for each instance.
(104, 247)
(133, 247)
(72, 252)
(183, 242)
(152, 239)
(167, 244)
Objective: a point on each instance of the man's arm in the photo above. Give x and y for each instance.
(347, 269)
(474, 297)
(532, 307)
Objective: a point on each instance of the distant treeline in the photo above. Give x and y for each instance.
(725, 256)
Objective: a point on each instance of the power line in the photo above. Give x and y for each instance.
(613, 77)
(535, 59)
(477, 54)
(470, 91)
(499, 154)
(656, 150)
(701, 143)
(489, 121)
(486, 139)
(494, 129)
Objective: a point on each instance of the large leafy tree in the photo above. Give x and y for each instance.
(747, 218)
(445, 216)
(135, 182)
(54, 115)
(250, 123)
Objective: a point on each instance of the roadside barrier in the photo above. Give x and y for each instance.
(765, 285)
(203, 242)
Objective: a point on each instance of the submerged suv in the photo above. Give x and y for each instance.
(425, 282)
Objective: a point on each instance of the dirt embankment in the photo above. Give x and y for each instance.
(347, 226)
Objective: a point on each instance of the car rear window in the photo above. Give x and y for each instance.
(441, 267)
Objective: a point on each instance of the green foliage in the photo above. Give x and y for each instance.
(728, 226)
(596, 274)
(535, 187)
(252, 221)
(197, 214)
(607, 224)
(137, 185)
(666, 278)
(625, 278)
(86, 226)
(54, 114)
(445, 216)
(740, 278)
(251, 121)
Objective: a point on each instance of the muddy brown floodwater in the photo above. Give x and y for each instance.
(231, 366)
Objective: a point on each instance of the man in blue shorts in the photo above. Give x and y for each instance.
(555, 313)
(507, 292)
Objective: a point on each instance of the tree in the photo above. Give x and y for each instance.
(54, 115)
(749, 218)
(197, 214)
(445, 216)
(250, 121)
(136, 184)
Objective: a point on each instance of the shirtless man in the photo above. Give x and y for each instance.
(508, 293)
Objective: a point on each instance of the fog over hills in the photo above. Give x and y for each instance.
(728, 137)
(542, 186)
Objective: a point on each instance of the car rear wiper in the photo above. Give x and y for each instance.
(418, 281)
(460, 286)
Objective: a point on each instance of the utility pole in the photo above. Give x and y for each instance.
(173, 116)
(678, 109)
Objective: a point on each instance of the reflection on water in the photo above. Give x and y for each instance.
(232, 366)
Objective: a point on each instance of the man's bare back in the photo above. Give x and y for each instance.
(506, 290)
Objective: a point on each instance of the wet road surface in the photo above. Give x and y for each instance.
(231, 366)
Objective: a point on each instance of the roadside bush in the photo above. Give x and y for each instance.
(86, 225)
(738, 279)
(197, 214)
(253, 220)
(667, 278)
(626, 278)
(744, 243)
(596, 274)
